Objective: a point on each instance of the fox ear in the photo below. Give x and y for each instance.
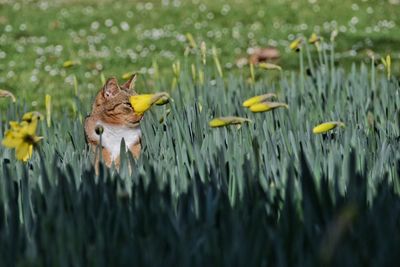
(130, 84)
(111, 88)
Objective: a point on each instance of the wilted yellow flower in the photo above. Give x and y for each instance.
(142, 103)
(22, 136)
(5, 93)
(314, 38)
(267, 106)
(257, 99)
(70, 63)
(225, 121)
(327, 126)
(296, 44)
(269, 66)
(388, 65)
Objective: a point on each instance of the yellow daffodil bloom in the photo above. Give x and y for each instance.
(296, 44)
(327, 126)
(22, 136)
(314, 38)
(267, 106)
(388, 65)
(258, 99)
(70, 63)
(269, 66)
(5, 93)
(142, 103)
(225, 121)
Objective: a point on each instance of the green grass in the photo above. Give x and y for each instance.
(33, 50)
(270, 193)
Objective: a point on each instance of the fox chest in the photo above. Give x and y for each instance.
(113, 135)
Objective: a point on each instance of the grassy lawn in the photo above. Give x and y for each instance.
(114, 37)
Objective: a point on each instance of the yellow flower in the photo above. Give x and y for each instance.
(22, 136)
(32, 116)
(269, 66)
(225, 121)
(257, 99)
(142, 103)
(252, 75)
(127, 75)
(295, 45)
(70, 63)
(5, 93)
(314, 38)
(388, 65)
(267, 106)
(47, 102)
(327, 126)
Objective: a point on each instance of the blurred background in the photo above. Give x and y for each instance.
(48, 46)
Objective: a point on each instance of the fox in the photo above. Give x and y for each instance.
(112, 119)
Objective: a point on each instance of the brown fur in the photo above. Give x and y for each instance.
(112, 107)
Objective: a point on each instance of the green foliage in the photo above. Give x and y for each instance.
(270, 193)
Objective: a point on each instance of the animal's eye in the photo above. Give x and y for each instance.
(127, 106)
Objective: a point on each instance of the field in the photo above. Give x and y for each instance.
(115, 37)
(268, 192)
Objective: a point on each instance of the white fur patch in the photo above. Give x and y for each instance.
(113, 134)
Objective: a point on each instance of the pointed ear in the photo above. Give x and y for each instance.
(130, 84)
(111, 88)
